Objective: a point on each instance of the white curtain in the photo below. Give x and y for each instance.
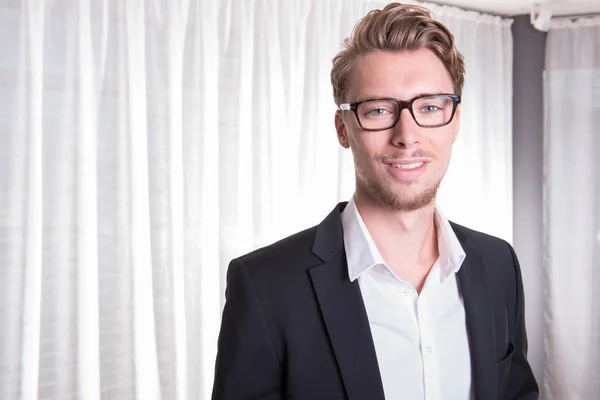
(143, 144)
(572, 210)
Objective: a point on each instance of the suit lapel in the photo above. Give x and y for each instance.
(480, 321)
(344, 313)
(348, 325)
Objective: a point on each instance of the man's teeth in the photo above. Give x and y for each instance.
(408, 166)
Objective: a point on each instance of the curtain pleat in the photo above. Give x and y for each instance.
(571, 193)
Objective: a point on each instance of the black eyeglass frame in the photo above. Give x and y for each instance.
(402, 104)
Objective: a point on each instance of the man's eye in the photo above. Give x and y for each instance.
(377, 111)
(430, 108)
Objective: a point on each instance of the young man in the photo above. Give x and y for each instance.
(385, 298)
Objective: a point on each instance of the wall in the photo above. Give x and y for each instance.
(528, 125)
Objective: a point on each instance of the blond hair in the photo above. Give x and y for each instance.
(398, 27)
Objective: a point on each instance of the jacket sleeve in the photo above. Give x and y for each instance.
(522, 384)
(247, 366)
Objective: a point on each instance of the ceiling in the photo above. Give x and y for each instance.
(518, 7)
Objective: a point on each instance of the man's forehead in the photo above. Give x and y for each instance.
(397, 75)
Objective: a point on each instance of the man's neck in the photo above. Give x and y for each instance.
(407, 241)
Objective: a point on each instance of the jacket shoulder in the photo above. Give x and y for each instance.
(481, 240)
(499, 259)
(291, 252)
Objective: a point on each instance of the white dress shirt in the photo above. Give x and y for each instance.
(421, 340)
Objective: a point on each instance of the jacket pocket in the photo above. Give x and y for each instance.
(503, 370)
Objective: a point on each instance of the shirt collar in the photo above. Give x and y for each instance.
(362, 253)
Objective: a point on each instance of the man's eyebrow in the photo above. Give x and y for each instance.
(382, 96)
(371, 97)
(431, 92)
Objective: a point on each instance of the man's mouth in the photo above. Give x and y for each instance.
(408, 166)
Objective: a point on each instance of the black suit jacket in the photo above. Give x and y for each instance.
(295, 327)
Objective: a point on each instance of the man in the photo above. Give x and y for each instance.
(385, 298)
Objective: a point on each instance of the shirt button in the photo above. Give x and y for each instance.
(429, 349)
(406, 293)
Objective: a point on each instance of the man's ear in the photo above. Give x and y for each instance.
(340, 128)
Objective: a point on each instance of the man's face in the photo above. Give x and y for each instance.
(387, 163)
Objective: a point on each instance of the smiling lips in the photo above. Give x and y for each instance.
(407, 169)
(409, 166)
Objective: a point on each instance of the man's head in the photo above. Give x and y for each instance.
(401, 149)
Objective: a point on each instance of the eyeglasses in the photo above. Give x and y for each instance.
(428, 111)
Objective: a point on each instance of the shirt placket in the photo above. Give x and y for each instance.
(429, 352)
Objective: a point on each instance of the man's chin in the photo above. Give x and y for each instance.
(410, 204)
(404, 199)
